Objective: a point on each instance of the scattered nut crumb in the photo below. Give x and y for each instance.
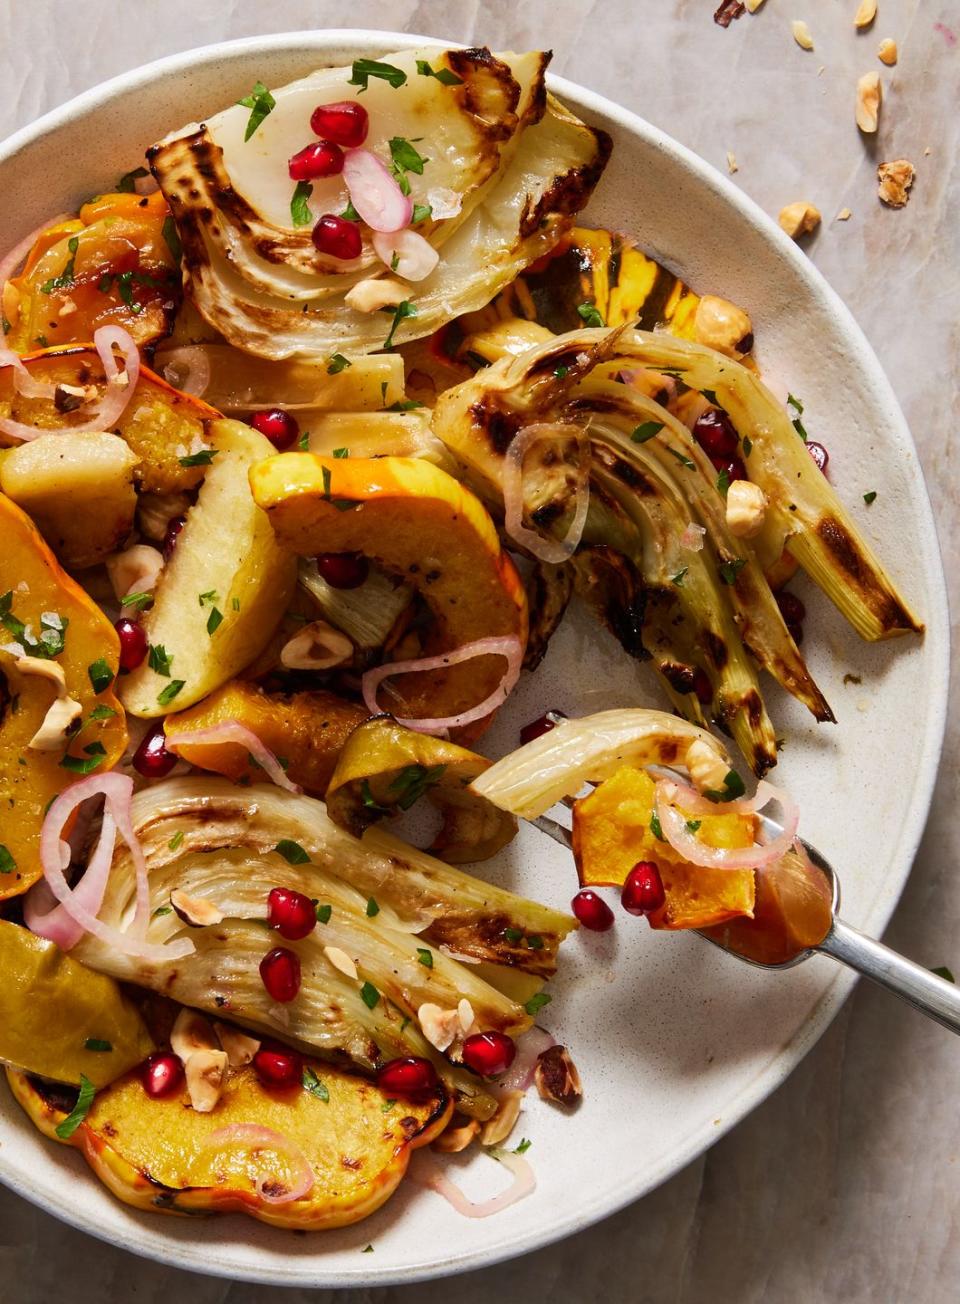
(727, 11)
(731, 162)
(801, 34)
(844, 215)
(887, 52)
(869, 97)
(852, 679)
(865, 14)
(927, 151)
(895, 179)
(799, 219)
(753, 5)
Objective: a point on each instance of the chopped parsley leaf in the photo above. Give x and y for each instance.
(341, 452)
(158, 660)
(292, 852)
(260, 103)
(868, 498)
(323, 914)
(171, 237)
(679, 577)
(313, 1084)
(7, 862)
(214, 621)
(412, 782)
(97, 1044)
(747, 445)
(126, 184)
(693, 825)
(372, 908)
(403, 310)
(655, 828)
(723, 482)
(139, 600)
(537, 1002)
(203, 458)
(729, 570)
(300, 214)
(66, 1129)
(405, 159)
(81, 764)
(443, 75)
(682, 458)
(421, 212)
(590, 315)
(733, 787)
(337, 364)
(66, 277)
(101, 713)
(711, 396)
(523, 1147)
(176, 840)
(369, 995)
(646, 430)
(101, 676)
(165, 697)
(425, 957)
(364, 69)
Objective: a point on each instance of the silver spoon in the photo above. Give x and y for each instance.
(936, 997)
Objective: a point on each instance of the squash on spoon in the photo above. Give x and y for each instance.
(418, 523)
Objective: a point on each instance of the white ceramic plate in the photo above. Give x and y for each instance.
(675, 1041)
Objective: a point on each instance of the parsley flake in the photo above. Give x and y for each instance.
(313, 1084)
(214, 621)
(733, 787)
(126, 185)
(171, 238)
(443, 75)
(203, 458)
(176, 840)
(81, 1109)
(369, 995)
(646, 430)
(98, 1044)
(364, 69)
(158, 660)
(372, 907)
(425, 957)
(165, 697)
(7, 862)
(682, 458)
(337, 364)
(260, 103)
(747, 445)
(590, 315)
(655, 828)
(729, 570)
(403, 310)
(300, 214)
(723, 482)
(139, 600)
(101, 676)
(323, 914)
(292, 852)
(536, 1003)
(412, 782)
(420, 213)
(679, 577)
(405, 159)
(868, 498)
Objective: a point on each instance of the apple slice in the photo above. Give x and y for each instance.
(222, 593)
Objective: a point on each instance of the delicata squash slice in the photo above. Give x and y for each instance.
(489, 171)
(303, 1159)
(59, 716)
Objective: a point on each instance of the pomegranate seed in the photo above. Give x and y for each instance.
(153, 759)
(791, 608)
(291, 913)
(337, 237)
(714, 432)
(280, 972)
(819, 454)
(407, 1077)
(345, 122)
(733, 466)
(489, 1053)
(174, 527)
(592, 911)
(161, 1074)
(537, 728)
(321, 159)
(278, 1067)
(643, 889)
(133, 642)
(343, 570)
(702, 686)
(278, 426)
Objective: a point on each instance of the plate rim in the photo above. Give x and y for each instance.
(196, 1256)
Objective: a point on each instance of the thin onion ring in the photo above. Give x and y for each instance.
(23, 382)
(374, 193)
(46, 918)
(524, 1183)
(673, 825)
(548, 550)
(255, 1134)
(196, 359)
(231, 731)
(111, 405)
(506, 646)
(117, 789)
(519, 1076)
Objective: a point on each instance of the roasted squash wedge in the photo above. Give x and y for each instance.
(113, 265)
(160, 424)
(40, 607)
(60, 1019)
(163, 1155)
(306, 729)
(612, 831)
(418, 523)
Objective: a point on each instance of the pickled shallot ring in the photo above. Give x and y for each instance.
(508, 646)
(547, 550)
(46, 918)
(406, 252)
(257, 1137)
(519, 1076)
(374, 193)
(188, 369)
(117, 789)
(673, 823)
(108, 409)
(231, 731)
(23, 382)
(524, 1183)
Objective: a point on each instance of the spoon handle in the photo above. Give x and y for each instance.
(933, 996)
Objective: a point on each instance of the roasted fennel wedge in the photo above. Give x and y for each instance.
(364, 976)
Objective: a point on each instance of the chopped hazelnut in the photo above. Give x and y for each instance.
(887, 52)
(239, 1046)
(895, 179)
(707, 769)
(135, 570)
(340, 960)
(723, 326)
(753, 5)
(205, 1070)
(746, 508)
(731, 162)
(799, 219)
(801, 34)
(440, 1027)
(869, 98)
(195, 911)
(61, 715)
(191, 1032)
(556, 1076)
(844, 215)
(318, 646)
(374, 294)
(866, 13)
